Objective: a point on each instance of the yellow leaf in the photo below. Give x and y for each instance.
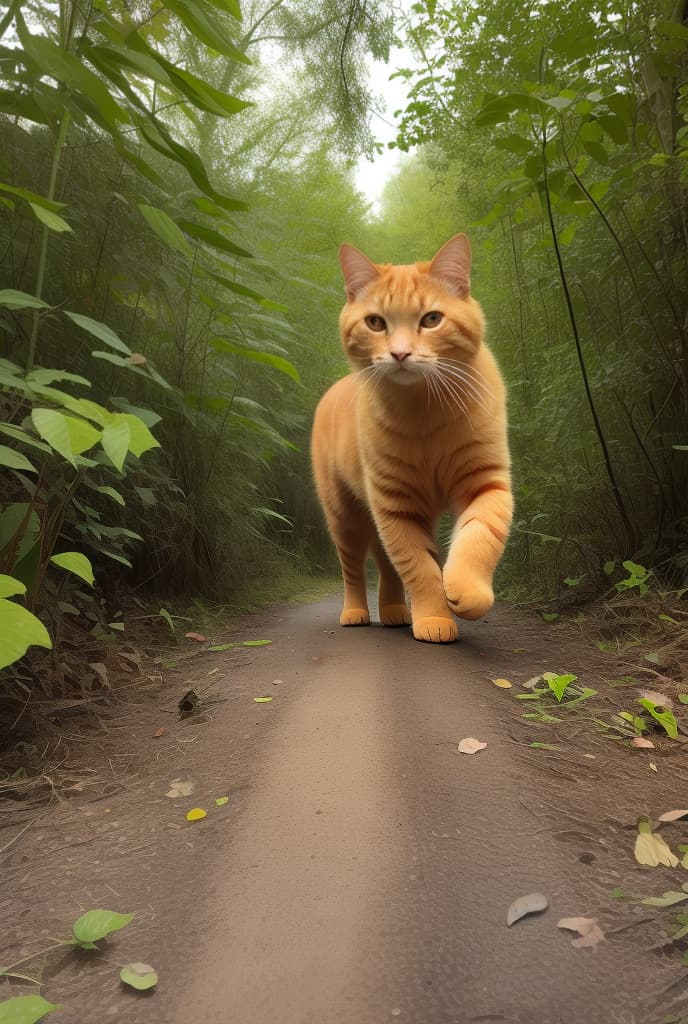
(195, 814)
(262, 700)
(651, 849)
(503, 684)
(221, 800)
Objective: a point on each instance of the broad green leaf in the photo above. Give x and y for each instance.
(19, 630)
(140, 438)
(100, 331)
(15, 460)
(665, 717)
(199, 19)
(25, 1009)
(45, 376)
(165, 228)
(558, 684)
(9, 587)
(13, 299)
(76, 563)
(214, 238)
(50, 219)
(115, 441)
(667, 900)
(96, 924)
(267, 358)
(139, 976)
(66, 434)
(32, 197)
(149, 417)
(110, 492)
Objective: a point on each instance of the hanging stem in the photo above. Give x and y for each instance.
(42, 261)
(630, 533)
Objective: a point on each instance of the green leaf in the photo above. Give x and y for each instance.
(201, 22)
(32, 197)
(267, 358)
(19, 630)
(13, 299)
(608, 568)
(140, 438)
(558, 684)
(66, 434)
(110, 492)
(165, 228)
(214, 238)
(667, 900)
(15, 460)
(24, 437)
(45, 376)
(9, 587)
(96, 924)
(50, 219)
(139, 976)
(76, 563)
(25, 1009)
(100, 331)
(665, 717)
(115, 441)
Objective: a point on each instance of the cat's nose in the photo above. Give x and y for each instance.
(400, 354)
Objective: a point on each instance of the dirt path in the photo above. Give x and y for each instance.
(361, 869)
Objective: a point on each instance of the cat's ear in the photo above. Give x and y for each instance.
(357, 269)
(453, 264)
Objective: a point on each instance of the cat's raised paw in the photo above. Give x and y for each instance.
(435, 630)
(470, 602)
(395, 615)
(354, 617)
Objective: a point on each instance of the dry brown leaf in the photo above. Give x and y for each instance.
(180, 787)
(470, 745)
(640, 741)
(672, 815)
(503, 684)
(656, 698)
(196, 636)
(589, 932)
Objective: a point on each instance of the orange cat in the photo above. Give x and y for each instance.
(418, 428)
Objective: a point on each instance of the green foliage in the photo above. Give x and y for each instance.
(25, 1009)
(96, 924)
(559, 142)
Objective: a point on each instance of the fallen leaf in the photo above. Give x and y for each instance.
(503, 684)
(262, 700)
(139, 976)
(668, 899)
(530, 684)
(672, 815)
(277, 682)
(651, 848)
(196, 636)
(469, 745)
(519, 650)
(640, 741)
(180, 787)
(221, 800)
(590, 756)
(588, 929)
(159, 732)
(195, 814)
(533, 903)
(652, 766)
(656, 698)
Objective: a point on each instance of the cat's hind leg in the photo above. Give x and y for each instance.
(391, 593)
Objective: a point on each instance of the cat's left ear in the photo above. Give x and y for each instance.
(358, 270)
(453, 264)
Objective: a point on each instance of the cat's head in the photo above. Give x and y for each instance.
(408, 320)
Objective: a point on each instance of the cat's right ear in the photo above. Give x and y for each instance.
(358, 270)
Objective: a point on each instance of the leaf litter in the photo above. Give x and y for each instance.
(533, 903)
(651, 849)
(470, 745)
(589, 931)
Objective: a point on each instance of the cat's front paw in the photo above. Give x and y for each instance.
(432, 629)
(354, 617)
(469, 599)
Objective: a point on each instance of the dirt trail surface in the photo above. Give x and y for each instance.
(362, 868)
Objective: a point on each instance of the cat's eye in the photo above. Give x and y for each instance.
(432, 319)
(376, 323)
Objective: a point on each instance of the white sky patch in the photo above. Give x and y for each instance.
(371, 176)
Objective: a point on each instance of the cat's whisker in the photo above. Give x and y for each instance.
(468, 384)
(467, 371)
(447, 389)
(455, 390)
